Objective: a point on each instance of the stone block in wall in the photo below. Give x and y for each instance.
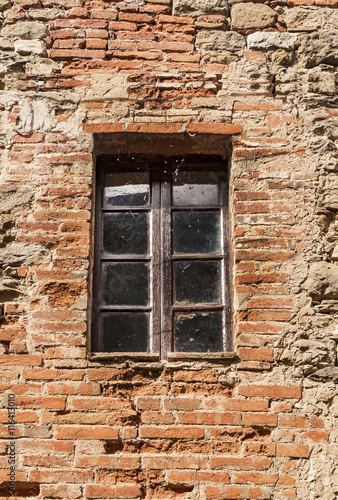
(322, 281)
(46, 14)
(328, 193)
(197, 8)
(313, 81)
(311, 19)
(25, 47)
(5, 4)
(318, 48)
(271, 40)
(310, 352)
(245, 16)
(327, 374)
(6, 44)
(18, 254)
(36, 115)
(27, 30)
(215, 40)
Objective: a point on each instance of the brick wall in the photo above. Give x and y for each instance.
(83, 78)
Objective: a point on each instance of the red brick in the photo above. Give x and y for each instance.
(209, 418)
(136, 18)
(214, 128)
(171, 432)
(213, 477)
(261, 278)
(115, 491)
(81, 388)
(317, 422)
(20, 416)
(148, 403)
(183, 403)
(246, 463)
(294, 421)
(316, 436)
(270, 391)
(166, 46)
(20, 360)
(72, 476)
(173, 462)
(98, 128)
(255, 354)
(333, 4)
(96, 33)
(98, 402)
(272, 303)
(104, 14)
(122, 26)
(79, 23)
(255, 477)
(86, 432)
(175, 19)
(96, 43)
(182, 476)
(72, 43)
(237, 404)
(37, 402)
(259, 419)
(34, 138)
(292, 450)
(52, 374)
(156, 128)
(76, 54)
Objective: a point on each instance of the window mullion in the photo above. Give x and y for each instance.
(166, 278)
(155, 277)
(227, 263)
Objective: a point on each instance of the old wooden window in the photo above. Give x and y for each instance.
(162, 271)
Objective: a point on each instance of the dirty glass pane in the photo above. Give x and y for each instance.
(198, 332)
(125, 189)
(196, 232)
(196, 188)
(125, 233)
(125, 283)
(197, 282)
(125, 332)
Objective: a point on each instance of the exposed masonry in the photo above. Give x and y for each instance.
(79, 78)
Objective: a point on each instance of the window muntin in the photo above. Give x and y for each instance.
(162, 270)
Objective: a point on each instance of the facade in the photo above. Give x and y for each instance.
(252, 85)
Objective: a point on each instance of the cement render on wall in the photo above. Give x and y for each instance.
(79, 79)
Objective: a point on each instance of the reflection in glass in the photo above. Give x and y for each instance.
(130, 189)
(196, 188)
(125, 233)
(196, 232)
(197, 282)
(125, 332)
(198, 332)
(125, 283)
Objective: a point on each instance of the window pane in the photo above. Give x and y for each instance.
(198, 332)
(125, 233)
(197, 282)
(125, 332)
(196, 188)
(123, 189)
(125, 284)
(196, 232)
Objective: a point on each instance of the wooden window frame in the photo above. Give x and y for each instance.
(161, 283)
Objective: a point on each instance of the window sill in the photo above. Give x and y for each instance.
(122, 356)
(218, 357)
(229, 357)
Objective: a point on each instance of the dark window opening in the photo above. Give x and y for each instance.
(161, 279)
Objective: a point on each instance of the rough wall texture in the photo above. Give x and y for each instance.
(259, 76)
